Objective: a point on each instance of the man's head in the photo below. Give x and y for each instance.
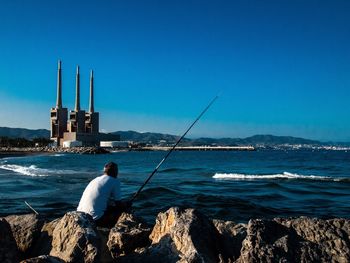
(111, 169)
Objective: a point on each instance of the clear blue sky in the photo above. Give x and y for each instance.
(283, 67)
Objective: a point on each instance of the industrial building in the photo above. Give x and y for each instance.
(81, 128)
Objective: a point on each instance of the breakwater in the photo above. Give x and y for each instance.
(177, 235)
(199, 148)
(33, 150)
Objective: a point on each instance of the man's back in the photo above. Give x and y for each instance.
(95, 198)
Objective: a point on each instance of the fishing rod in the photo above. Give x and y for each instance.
(31, 207)
(173, 148)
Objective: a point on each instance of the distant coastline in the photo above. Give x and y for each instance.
(160, 139)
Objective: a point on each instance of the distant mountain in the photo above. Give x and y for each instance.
(160, 138)
(155, 138)
(147, 137)
(24, 133)
(277, 140)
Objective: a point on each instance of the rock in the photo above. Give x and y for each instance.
(331, 236)
(25, 229)
(296, 240)
(266, 241)
(179, 235)
(94, 150)
(43, 259)
(230, 238)
(128, 234)
(8, 247)
(43, 244)
(75, 238)
(187, 233)
(105, 254)
(163, 251)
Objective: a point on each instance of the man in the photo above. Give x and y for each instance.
(101, 198)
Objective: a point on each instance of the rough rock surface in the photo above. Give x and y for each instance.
(25, 229)
(8, 247)
(331, 236)
(296, 240)
(43, 259)
(163, 251)
(128, 234)
(230, 239)
(105, 254)
(43, 244)
(188, 234)
(75, 238)
(185, 235)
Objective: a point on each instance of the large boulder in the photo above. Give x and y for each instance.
(43, 244)
(188, 234)
(163, 251)
(230, 239)
(75, 238)
(331, 236)
(105, 254)
(43, 259)
(128, 234)
(8, 246)
(296, 240)
(25, 229)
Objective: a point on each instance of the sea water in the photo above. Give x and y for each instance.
(224, 184)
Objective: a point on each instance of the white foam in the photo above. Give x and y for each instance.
(284, 175)
(58, 155)
(33, 170)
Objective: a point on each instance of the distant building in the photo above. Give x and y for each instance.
(81, 127)
(115, 144)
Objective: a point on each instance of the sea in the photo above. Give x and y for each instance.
(227, 185)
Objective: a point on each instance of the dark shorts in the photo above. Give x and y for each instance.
(109, 218)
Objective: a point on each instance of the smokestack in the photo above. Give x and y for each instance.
(91, 109)
(77, 91)
(59, 87)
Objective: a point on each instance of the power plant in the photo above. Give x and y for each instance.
(82, 128)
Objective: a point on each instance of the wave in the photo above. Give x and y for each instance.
(58, 155)
(284, 175)
(169, 170)
(33, 170)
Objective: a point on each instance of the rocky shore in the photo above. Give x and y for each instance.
(9, 151)
(178, 235)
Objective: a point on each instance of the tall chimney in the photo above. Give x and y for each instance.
(91, 109)
(59, 87)
(77, 91)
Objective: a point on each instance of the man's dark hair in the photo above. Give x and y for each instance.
(111, 169)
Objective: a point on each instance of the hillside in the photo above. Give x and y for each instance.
(24, 133)
(156, 138)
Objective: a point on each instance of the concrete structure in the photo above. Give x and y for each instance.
(82, 127)
(58, 118)
(77, 116)
(114, 144)
(69, 144)
(92, 117)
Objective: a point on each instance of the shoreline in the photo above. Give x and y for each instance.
(16, 151)
(20, 154)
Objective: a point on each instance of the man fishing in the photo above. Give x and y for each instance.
(98, 192)
(102, 197)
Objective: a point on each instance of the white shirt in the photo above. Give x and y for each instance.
(96, 195)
